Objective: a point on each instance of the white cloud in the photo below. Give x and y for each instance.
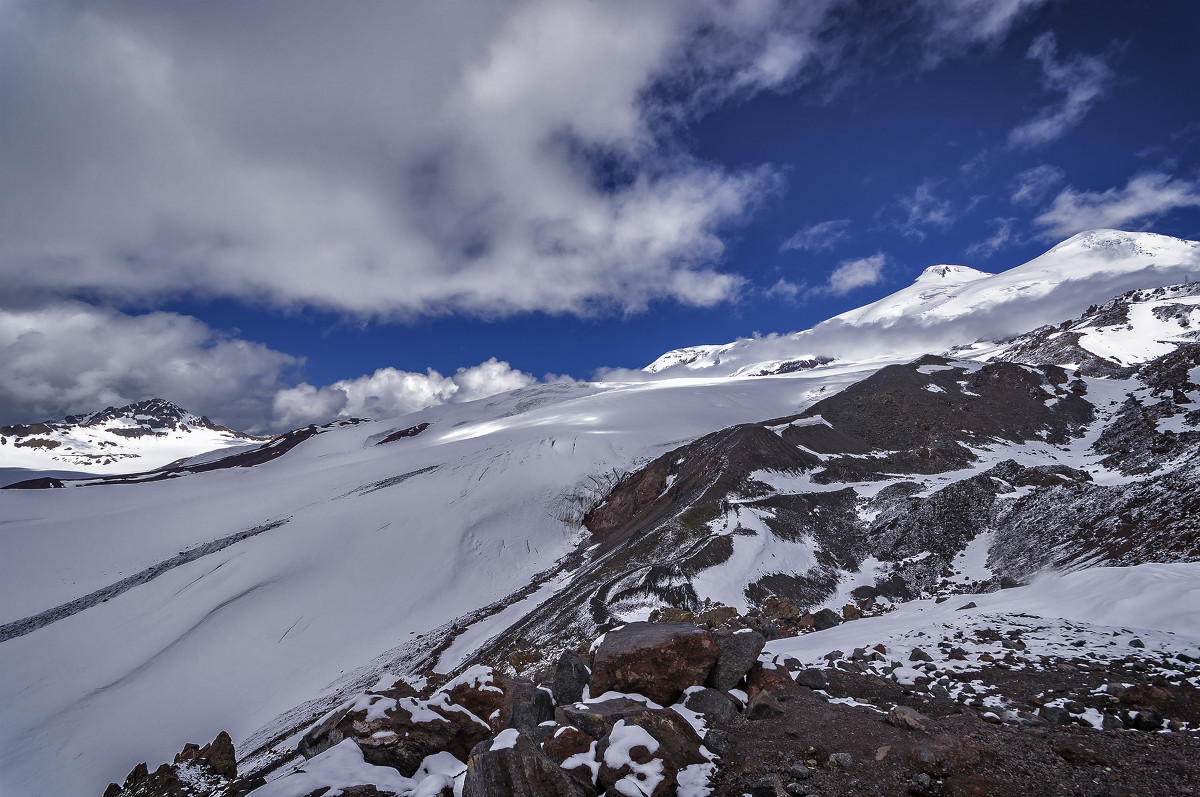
(1000, 238)
(1144, 197)
(784, 289)
(955, 25)
(405, 159)
(853, 274)
(817, 237)
(69, 357)
(1031, 185)
(390, 392)
(923, 209)
(1082, 80)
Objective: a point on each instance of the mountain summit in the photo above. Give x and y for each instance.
(136, 437)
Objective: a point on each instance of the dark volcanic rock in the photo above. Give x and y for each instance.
(737, 652)
(671, 730)
(571, 675)
(713, 705)
(826, 618)
(526, 706)
(658, 660)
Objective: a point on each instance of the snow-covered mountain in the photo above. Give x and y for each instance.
(254, 593)
(129, 439)
(952, 305)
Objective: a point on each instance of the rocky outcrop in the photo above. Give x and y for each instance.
(196, 772)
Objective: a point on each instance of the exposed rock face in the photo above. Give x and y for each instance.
(520, 769)
(658, 660)
(737, 652)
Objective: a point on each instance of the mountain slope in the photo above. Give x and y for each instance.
(253, 598)
(136, 437)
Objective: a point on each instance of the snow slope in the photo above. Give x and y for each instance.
(233, 639)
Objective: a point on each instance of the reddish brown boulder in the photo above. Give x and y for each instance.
(658, 660)
(632, 761)
(480, 690)
(767, 678)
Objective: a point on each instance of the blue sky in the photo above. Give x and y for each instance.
(281, 213)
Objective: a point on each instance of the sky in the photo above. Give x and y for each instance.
(277, 213)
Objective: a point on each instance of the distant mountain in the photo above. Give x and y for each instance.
(947, 306)
(922, 447)
(137, 437)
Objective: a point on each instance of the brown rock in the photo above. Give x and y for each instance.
(679, 740)
(399, 733)
(481, 690)
(767, 678)
(658, 660)
(634, 762)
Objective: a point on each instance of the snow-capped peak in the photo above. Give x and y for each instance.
(136, 437)
(947, 273)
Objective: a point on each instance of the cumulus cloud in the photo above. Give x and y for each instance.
(486, 158)
(1032, 185)
(1144, 198)
(818, 237)
(853, 274)
(68, 357)
(390, 392)
(1082, 80)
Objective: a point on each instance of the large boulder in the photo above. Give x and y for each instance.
(715, 706)
(512, 764)
(482, 691)
(398, 733)
(571, 675)
(526, 706)
(736, 653)
(574, 751)
(658, 660)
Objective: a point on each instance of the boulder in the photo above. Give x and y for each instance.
(482, 691)
(513, 764)
(526, 706)
(737, 651)
(763, 706)
(714, 706)
(767, 678)
(679, 740)
(571, 675)
(905, 717)
(813, 678)
(633, 762)
(658, 660)
(826, 618)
